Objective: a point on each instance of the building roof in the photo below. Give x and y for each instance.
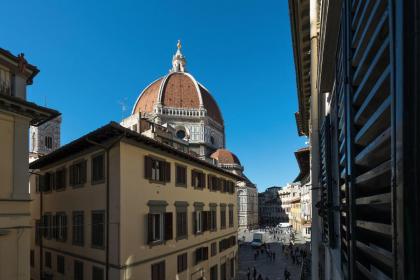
(112, 131)
(18, 64)
(300, 28)
(178, 90)
(302, 157)
(224, 156)
(36, 113)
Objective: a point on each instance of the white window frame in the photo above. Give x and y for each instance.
(199, 220)
(156, 238)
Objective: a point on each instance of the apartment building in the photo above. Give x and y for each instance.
(16, 115)
(357, 67)
(115, 204)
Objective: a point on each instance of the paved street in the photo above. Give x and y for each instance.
(264, 266)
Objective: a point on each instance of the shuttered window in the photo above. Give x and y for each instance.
(77, 173)
(60, 264)
(160, 227)
(181, 224)
(60, 179)
(201, 254)
(157, 170)
(181, 175)
(222, 217)
(158, 271)
(98, 229)
(364, 87)
(78, 228)
(60, 226)
(198, 179)
(182, 262)
(97, 273)
(325, 183)
(78, 270)
(98, 168)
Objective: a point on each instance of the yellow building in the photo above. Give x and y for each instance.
(114, 204)
(16, 114)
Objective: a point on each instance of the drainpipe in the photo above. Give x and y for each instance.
(314, 138)
(106, 148)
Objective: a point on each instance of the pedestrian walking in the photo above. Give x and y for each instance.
(286, 274)
(259, 277)
(255, 273)
(248, 275)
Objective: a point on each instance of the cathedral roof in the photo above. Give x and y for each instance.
(224, 156)
(179, 90)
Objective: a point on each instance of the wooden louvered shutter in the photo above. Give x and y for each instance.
(147, 167)
(210, 182)
(167, 169)
(325, 183)
(83, 171)
(194, 222)
(168, 226)
(203, 180)
(369, 73)
(149, 218)
(343, 188)
(64, 227)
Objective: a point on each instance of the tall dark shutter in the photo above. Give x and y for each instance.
(147, 167)
(168, 226)
(365, 90)
(55, 225)
(167, 167)
(83, 171)
(203, 183)
(71, 175)
(149, 218)
(210, 183)
(204, 215)
(325, 183)
(64, 227)
(205, 253)
(41, 183)
(194, 221)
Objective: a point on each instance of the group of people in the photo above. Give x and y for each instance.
(254, 275)
(271, 255)
(297, 254)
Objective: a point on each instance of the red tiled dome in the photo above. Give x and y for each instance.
(178, 90)
(224, 156)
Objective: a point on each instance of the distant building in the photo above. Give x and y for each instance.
(115, 204)
(270, 210)
(16, 115)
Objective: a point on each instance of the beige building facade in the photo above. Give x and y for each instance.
(114, 204)
(16, 115)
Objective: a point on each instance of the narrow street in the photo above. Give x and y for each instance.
(269, 269)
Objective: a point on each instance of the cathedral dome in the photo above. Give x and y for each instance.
(178, 90)
(224, 156)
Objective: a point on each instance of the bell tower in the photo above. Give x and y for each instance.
(44, 139)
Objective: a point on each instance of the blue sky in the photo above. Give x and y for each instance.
(94, 54)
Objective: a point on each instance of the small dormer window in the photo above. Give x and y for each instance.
(48, 142)
(180, 134)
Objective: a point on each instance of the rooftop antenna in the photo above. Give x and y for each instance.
(123, 105)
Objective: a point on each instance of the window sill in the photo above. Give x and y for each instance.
(97, 182)
(60, 189)
(97, 247)
(183, 237)
(151, 181)
(180, 185)
(78, 186)
(156, 243)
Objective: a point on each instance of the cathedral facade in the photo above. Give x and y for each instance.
(180, 111)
